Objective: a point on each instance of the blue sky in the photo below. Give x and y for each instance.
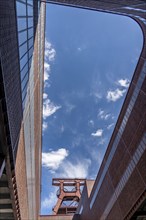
(90, 58)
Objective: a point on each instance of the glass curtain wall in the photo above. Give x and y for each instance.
(25, 28)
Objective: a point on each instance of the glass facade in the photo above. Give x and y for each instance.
(25, 28)
(31, 29)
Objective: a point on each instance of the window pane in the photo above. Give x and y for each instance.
(22, 37)
(24, 71)
(23, 0)
(30, 22)
(24, 92)
(21, 9)
(22, 50)
(29, 10)
(30, 52)
(30, 43)
(21, 24)
(30, 62)
(23, 83)
(23, 61)
(30, 32)
(23, 103)
(30, 2)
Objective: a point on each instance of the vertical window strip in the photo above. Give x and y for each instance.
(24, 11)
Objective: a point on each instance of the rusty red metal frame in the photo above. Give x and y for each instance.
(71, 195)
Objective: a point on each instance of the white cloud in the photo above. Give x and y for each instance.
(53, 159)
(49, 56)
(124, 83)
(100, 113)
(69, 107)
(102, 141)
(45, 126)
(66, 99)
(49, 108)
(107, 116)
(98, 133)
(110, 126)
(49, 51)
(91, 122)
(46, 71)
(78, 169)
(45, 95)
(50, 201)
(47, 66)
(98, 95)
(114, 95)
(62, 129)
(103, 115)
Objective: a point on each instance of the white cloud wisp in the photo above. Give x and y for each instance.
(49, 57)
(45, 126)
(49, 51)
(98, 133)
(110, 126)
(45, 95)
(79, 169)
(53, 159)
(114, 95)
(47, 70)
(124, 83)
(49, 202)
(49, 108)
(103, 115)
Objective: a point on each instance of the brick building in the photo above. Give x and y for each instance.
(117, 193)
(22, 26)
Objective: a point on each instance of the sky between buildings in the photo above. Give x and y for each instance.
(90, 58)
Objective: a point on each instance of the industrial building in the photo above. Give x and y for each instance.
(116, 194)
(22, 26)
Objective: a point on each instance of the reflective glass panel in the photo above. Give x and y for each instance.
(29, 10)
(30, 32)
(23, 61)
(21, 9)
(22, 37)
(23, 102)
(30, 42)
(23, 83)
(21, 24)
(24, 71)
(24, 92)
(30, 52)
(30, 62)
(22, 0)
(30, 22)
(22, 50)
(30, 2)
